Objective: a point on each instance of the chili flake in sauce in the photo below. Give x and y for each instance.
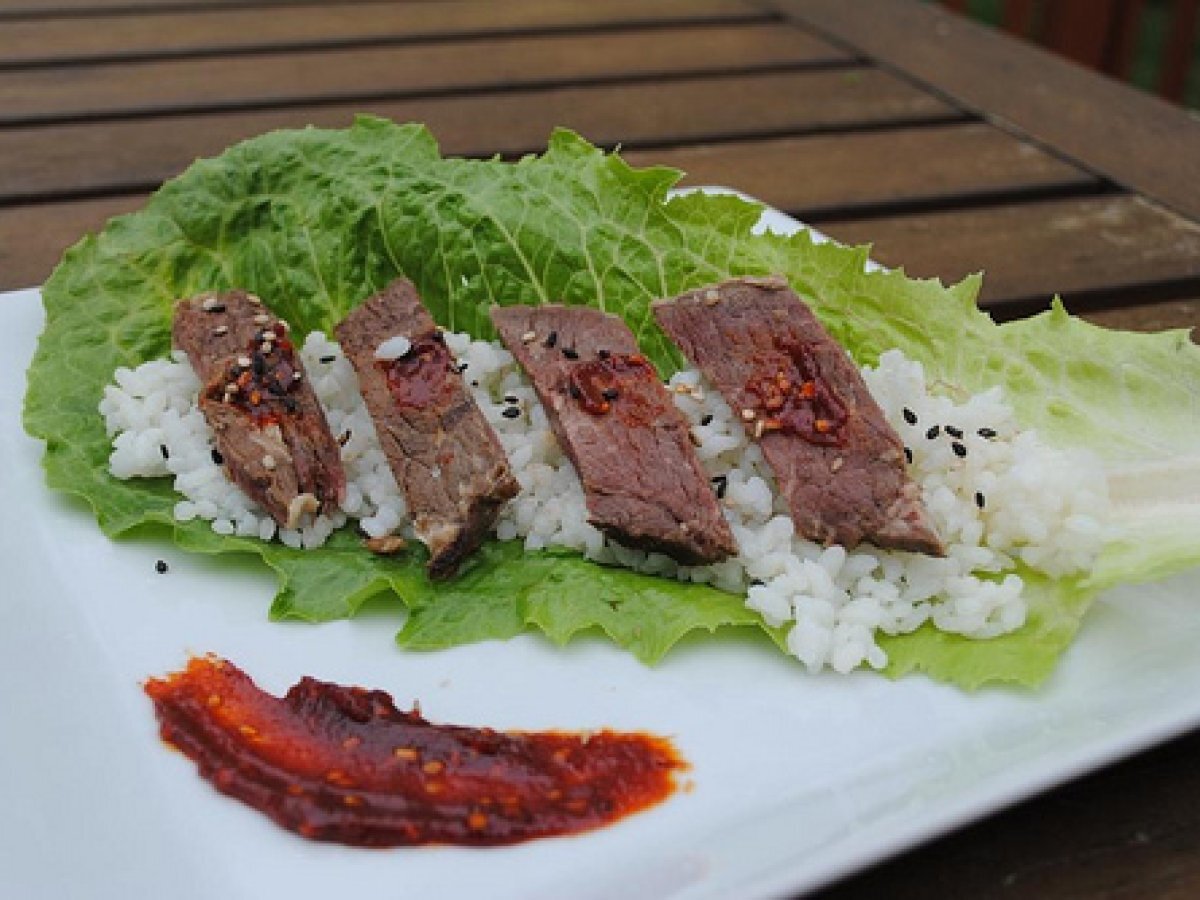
(261, 381)
(343, 764)
(419, 376)
(597, 383)
(795, 399)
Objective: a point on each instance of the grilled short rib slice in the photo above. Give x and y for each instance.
(838, 462)
(270, 429)
(631, 446)
(446, 458)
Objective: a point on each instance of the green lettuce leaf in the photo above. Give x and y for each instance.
(316, 220)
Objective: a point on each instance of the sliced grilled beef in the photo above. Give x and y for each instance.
(837, 460)
(631, 447)
(269, 427)
(446, 458)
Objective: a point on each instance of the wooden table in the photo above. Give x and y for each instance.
(950, 147)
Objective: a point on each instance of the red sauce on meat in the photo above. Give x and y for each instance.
(261, 381)
(792, 398)
(343, 764)
(598, 384)
(418, 377)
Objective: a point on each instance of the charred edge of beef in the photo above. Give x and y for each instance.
(269, 427)
(838, 462)
(447, 460)
(642, 482)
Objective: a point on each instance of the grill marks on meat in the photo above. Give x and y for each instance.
(632, 448)
(838, 462)
(269, 427)
(447, 460)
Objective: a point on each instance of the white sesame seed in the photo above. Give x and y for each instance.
(528, 336)
(393, 348)
(243, 361)
(748, 415)
(220, 331)
(262, 319)
(268, 462)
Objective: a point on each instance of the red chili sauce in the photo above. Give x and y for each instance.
(419, 376)
(599, 383)
(343, 764)
(792, 398)
(261, 380)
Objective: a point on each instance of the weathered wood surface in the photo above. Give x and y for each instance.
(1132, 138)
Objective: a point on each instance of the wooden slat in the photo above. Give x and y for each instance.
(107, 89)
(811, 176)
(49, 8)
(1151, 316)
(53, 161)
(1131, 137)
(223, 29)
(32, 238)
(1087, 246)
(822, 176)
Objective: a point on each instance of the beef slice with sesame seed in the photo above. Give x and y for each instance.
(838, 462)
(446, 458)
(270, 430)
(631, 446)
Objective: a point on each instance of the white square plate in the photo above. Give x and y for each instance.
(797, 779)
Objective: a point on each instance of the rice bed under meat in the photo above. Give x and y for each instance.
(997, 494)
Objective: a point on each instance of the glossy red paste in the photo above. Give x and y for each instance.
(597, 384)
(419, 376)
(793, 398)
(344, 764)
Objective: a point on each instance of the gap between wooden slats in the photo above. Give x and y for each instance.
(1095, 251)
(224, 30)
(45, 162)
(498, 64)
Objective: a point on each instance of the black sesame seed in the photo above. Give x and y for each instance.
(509, 398)
(721, 483)
(574, 391)
(551, 340)
(328, 359)
(474, 384)
(933, 432)
(161, 567)
(439, 337)
(258, 364)
(344, 438)
(988, 433)
(960, 450)
(217, 458)
(570, 353)
(235, 371)
(909, 416)
(162, 448)
(610, 394)
(510, 412)
(214, 308)
(908, 455)
(290, 404)
(979, 500)
(603, 354)
(707, 420)
(954, 432)
(462, 367)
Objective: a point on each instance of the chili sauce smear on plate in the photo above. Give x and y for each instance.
(343, 764)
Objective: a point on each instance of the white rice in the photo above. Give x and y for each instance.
(1041, 506)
